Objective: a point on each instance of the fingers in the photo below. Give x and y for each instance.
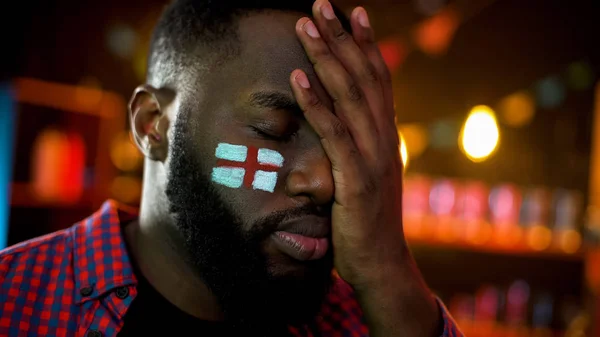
(350, 103)
(365, 39)
(333, 133)
(344, 47)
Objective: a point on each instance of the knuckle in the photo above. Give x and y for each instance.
(321, 54)
(371, 74)
(337, 129)
(353, 93)
(353, 152)
(340, 35)
(314, 103)
(366, 187)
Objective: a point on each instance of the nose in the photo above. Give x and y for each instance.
(311, 178)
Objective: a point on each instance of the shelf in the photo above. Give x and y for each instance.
(508, 243)
(498, 330)
(518, 250)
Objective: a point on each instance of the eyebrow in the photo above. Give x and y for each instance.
(275, 100)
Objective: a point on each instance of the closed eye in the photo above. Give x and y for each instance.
(285, 138)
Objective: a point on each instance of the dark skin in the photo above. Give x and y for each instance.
(331, 116)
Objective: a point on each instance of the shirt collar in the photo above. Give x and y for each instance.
(101, 262)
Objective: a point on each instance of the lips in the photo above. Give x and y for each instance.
(303, 239)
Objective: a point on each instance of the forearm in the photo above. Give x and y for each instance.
(396, 302)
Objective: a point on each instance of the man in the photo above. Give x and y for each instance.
(271, 159)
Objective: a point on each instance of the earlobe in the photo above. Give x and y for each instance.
(149, 123)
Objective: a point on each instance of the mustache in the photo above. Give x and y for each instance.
(269, 223)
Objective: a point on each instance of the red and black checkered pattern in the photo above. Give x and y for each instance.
(71, 283)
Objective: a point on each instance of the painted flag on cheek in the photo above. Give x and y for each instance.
(239, 165)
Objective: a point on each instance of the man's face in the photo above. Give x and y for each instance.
(232, 233)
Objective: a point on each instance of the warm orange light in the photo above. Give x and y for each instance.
(69, 98)
(569, 241)
(58, 163)
(393, 52)
(48, 154)
(126, 189)
(434, 35)
(509, 236)
(88, 93)
(403, 151)
(483, 234)
(446, 231)
(124, 154)
(480, 135)
(73, 168)
(517, 109)
(539, 237)
(416, 138)
(592, 270)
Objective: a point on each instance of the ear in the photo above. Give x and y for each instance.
(149, 123)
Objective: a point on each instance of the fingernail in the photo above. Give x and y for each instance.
(302, 80)
(363, 18)
(327, 11)
(311, 29)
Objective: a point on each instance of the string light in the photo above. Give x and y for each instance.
(416, 138)
(480, 135)
(517, 109)
(403, 151)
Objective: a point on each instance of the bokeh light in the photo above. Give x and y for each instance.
(48, 152)
(443, 134)
(480, 135)
(57, 166)
(416, 138)
(403, 151)
(517, 109)
(140, 64)
(569, 241)
(580, 75)
(434, 35)
(124, 154)
(393, 52)
(550, 92)
(442, 198)
(539, 237)
(121, 40)
(126, 189)
(89, 93)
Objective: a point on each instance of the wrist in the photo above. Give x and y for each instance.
(396, 301)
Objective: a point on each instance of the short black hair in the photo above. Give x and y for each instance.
(189, 29)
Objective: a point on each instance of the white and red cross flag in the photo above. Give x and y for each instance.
(249, 166)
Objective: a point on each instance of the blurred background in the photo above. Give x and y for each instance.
(497, 104)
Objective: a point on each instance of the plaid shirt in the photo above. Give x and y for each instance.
(79, 282)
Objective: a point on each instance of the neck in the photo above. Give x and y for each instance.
(156, 249)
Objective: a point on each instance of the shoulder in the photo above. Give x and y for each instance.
(36, 278)
(24, 261)
(36, 246)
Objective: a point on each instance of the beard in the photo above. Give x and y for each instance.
(231, 261)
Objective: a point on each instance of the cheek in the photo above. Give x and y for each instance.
(248, 178)
(248, 205)
(246, 167)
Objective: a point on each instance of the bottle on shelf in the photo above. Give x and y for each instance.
(567, 214)
(505, 204)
